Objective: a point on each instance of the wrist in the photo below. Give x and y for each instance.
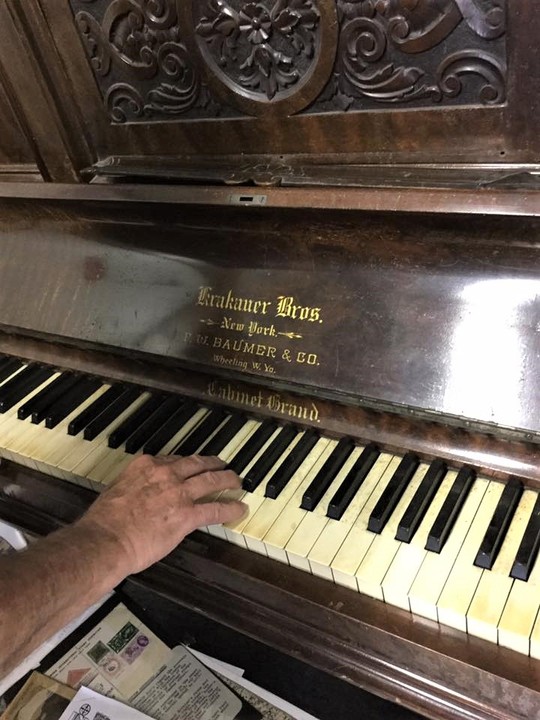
(112, 559)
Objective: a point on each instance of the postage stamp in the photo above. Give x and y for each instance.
(122, 637)
(97, 651)
(135, 648)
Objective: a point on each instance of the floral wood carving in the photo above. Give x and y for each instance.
(264, 47)
(398, 53)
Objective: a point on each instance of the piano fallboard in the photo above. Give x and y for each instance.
(420, 314)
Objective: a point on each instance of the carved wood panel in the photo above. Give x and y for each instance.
(157, 60)
(298, 91)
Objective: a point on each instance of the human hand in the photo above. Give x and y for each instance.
(156, 501)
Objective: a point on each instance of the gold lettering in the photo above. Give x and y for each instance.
(207, 298)
(286, 307)
(226, 392)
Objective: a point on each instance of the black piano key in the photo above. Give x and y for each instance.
(110, 414)
(322, 481)
(81, 391)
(202, 432)
(252, 446)
(414, 514)
(25, 410)
(134, 421)
(158, 441)
(9, 366)
(19, 379)
(95, 409)
(528, 548)
(264, 464)
(224, 435)
(290, 464)
(451, 507)
(392, 493)
(49, 395)
(156, 420)
(352, 482)
(502, 517)
(22, 384)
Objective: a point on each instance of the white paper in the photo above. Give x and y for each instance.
(15, 538)
(184, 689)
(90, 705)
(230, 672)
(218, 665)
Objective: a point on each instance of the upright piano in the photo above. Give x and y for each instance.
(302, 236)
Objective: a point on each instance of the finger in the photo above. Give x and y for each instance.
(186, 467)
(215, 513)
(198, 486)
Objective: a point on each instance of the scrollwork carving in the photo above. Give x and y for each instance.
(416, 52)
(263, 47)
(408, 53)
(142, 65)
(124, 102)
(487, 19)
(482, 65)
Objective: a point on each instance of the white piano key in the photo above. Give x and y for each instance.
(464, 577)
(313, 523)
(409, 557)
(191, 424)
(100, 448)
(231, 534)
(433, 573)
(292, 514)
(359, 538)
(105, 471)
(85, 455)
(27, 434)
(375, 563)
(520, 613)
(270, 510)
(15, 433)
(228, 452)
(234, 531)
(494, 587)
(55, 443)
(331, 538)
(535, 635)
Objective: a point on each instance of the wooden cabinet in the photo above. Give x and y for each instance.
(292, 91)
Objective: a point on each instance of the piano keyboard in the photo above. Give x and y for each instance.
(442, 543)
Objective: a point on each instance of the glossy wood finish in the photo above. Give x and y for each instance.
(422, 315)
(435, 671)
(450, 81)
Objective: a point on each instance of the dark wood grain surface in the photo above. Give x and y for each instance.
(425, 314)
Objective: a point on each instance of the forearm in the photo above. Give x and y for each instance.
(135, 522)
(48, 585)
